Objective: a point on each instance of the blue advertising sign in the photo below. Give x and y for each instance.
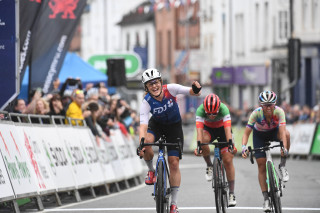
(251, 75)
(222, 75)
(8, 80)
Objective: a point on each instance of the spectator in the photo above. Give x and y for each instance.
(42, 107)
(56, 84)
(92, 94)
(74, 110)
(19, 106)
(305, 115)
(55, 106)
(92, 120)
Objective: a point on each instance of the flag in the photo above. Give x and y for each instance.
(28, 13)
(52, 34)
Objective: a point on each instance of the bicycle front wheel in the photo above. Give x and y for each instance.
(217, 185)
(225, 189)
(160, 190)
(274, 189)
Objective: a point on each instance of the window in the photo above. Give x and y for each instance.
(128, 42)
(283, 25)
(239, 31)
(315, 14)
(266, 25)
(256, 26)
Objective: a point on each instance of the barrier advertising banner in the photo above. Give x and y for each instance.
(75, 153)
(114, 158)
(316, 143)
(51, 37)
(6, 191)
(301, 138)
(57, 156)
(37, 157)
(124, 152)
(20, 171)
(91, 157)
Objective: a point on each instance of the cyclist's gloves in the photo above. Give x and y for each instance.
(195, 89)
(285, 152)
(244, 149)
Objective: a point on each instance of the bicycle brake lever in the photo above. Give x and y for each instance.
(199, 147)
(140, 147)
(251, 157)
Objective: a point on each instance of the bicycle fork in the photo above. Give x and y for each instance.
(279, 183)
(165, 171)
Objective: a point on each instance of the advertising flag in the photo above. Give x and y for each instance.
(28, 13)
(51, 38)
(8, 52)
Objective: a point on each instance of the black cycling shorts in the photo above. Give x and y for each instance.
(172, 132)
(259, 139)
(217, 133)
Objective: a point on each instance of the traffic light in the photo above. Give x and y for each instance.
(294, 71)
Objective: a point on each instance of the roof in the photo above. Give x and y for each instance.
(141, 14)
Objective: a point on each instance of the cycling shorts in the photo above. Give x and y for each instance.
(259, 139)
(173, 133)
(219, 134)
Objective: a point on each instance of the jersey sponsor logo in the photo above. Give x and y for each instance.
(159, 110)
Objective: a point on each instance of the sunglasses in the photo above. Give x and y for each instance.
(151, 83)
(212, 114)
(267, 105)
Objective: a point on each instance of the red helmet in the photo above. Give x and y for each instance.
(211, 104)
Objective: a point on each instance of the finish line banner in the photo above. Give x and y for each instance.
(52, 34)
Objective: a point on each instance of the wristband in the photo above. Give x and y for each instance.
(195, 89)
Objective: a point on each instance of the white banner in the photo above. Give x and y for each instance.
(71, 138)
(37, 154)
(58, 158)
(124, 153)
(91, 155)
(19, 169)
(6, 192)
(135, 160)
(301, 138)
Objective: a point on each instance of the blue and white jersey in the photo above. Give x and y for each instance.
(165, 111)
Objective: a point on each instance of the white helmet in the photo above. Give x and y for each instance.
(267, 97)
(150, 74)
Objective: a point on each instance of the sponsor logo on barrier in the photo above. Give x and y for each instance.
(33, 161)
(124, 152)
(92, 154)
(19, 172)
(2, 180)
(111, 153)
(59, 156)
(53, 169)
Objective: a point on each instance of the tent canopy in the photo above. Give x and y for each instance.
(73, 67)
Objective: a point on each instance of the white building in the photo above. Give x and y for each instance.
(100, 32)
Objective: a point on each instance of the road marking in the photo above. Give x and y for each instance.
(181, 208)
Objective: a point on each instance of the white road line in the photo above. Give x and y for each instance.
(181, 208)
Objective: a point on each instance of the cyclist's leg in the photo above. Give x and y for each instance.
(207, 137)
(152, 135)
(174, 134)
(283, 159)
(259, 141)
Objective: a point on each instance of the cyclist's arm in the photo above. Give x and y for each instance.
(246, 135)
(143, 131)
(199, 125)
(283, 138)
(227, 126)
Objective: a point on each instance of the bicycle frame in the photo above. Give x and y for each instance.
(161, 159)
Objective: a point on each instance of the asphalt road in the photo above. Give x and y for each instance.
(302, 192)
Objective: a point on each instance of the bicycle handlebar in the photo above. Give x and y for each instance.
(267, 147)
(230, 144)
(161, 142)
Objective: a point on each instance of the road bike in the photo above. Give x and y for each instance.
(219, 179)
(274, 180)
(161, 191)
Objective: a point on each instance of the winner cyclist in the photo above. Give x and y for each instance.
(160, 100)
(213, 121)
(268, 123)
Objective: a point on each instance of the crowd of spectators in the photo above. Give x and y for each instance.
(294, 114)
(101, 111)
